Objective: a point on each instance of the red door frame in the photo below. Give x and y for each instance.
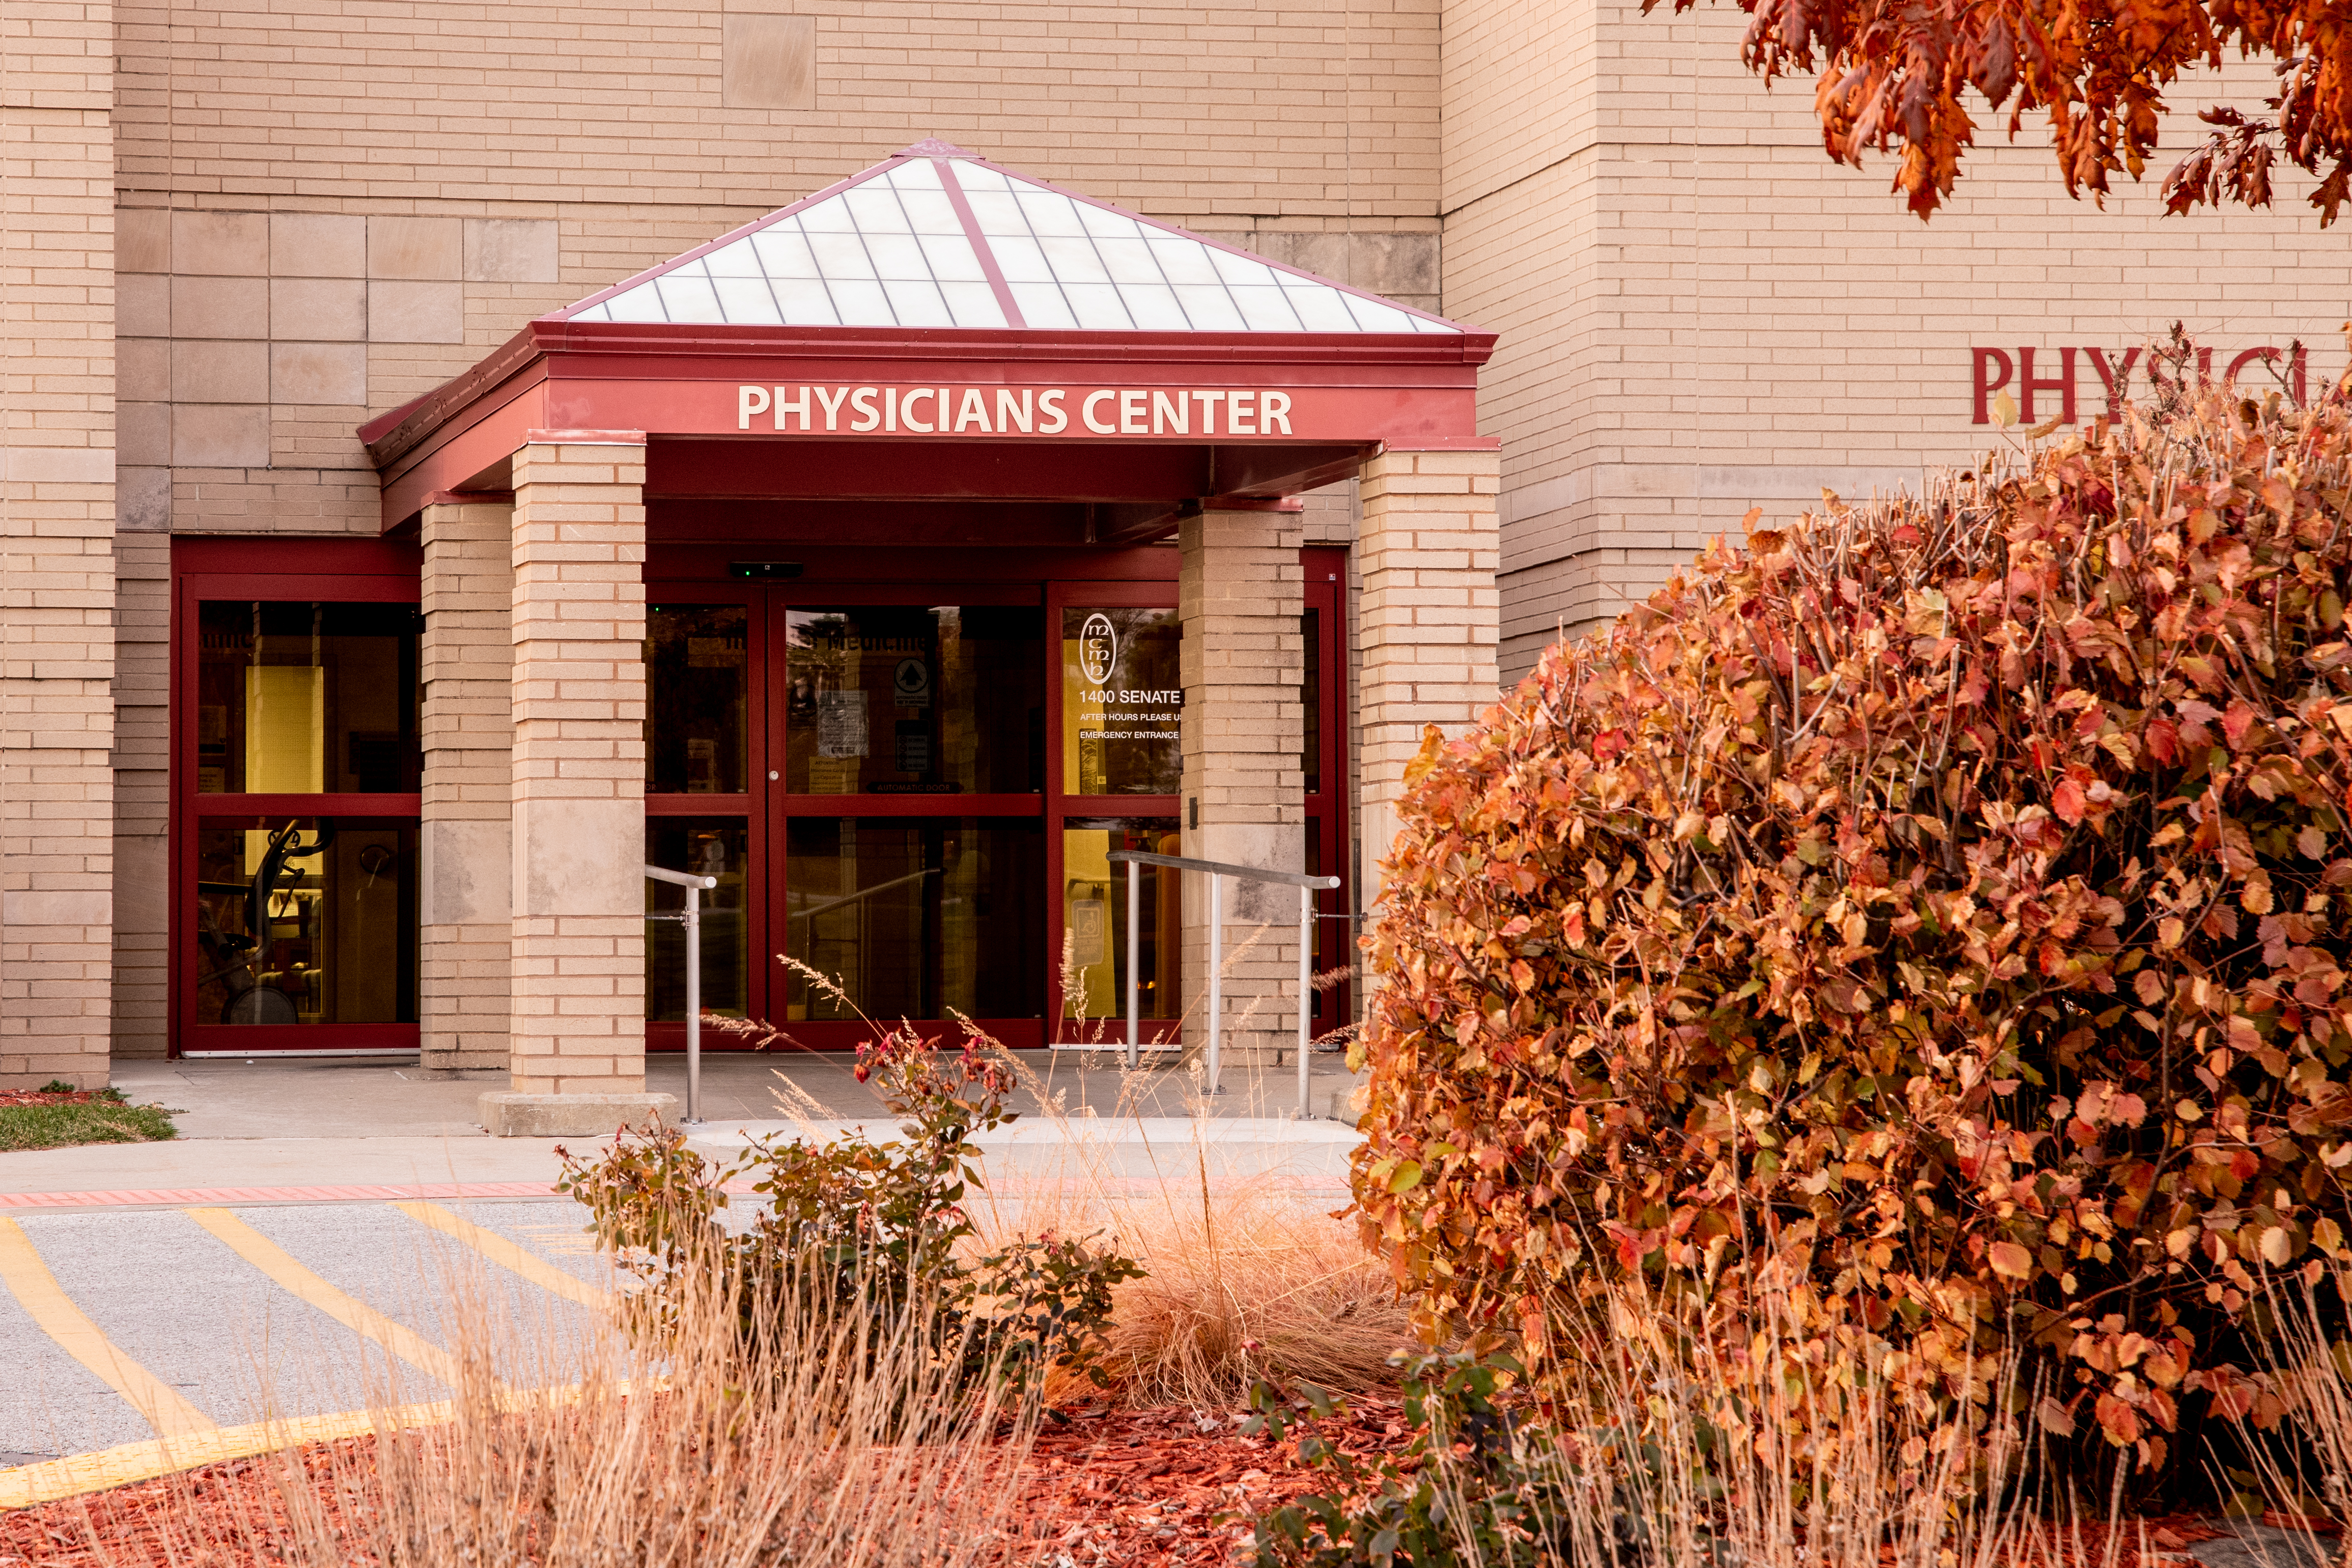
(1325, 571)
(383, 571)
(357, 571)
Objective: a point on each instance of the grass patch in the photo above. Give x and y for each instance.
(61, 1124)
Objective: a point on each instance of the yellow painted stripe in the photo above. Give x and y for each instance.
(507, 1255)
(80, 1473)
(45, 1302)
(54, 1479)
(348, 1310)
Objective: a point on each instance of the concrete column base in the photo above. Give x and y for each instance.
(506, 1115)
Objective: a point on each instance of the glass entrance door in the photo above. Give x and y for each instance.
(911, 792)
(865, 771)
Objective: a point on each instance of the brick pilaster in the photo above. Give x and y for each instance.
(1239, 595)
(57, 546)
(466, 840)
(1429, 549)
(578, 947)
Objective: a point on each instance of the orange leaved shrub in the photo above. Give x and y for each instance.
(1926, 927)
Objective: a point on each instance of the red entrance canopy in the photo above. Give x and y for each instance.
(1004, 339)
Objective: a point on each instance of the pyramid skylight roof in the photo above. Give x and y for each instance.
(937, 237)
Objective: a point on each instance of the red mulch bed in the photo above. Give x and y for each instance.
(1126, 1488)
(1144, 1488)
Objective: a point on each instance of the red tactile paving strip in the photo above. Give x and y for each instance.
(177, 1196)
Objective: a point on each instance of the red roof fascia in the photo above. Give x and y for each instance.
(390, 435)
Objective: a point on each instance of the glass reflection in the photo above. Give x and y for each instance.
(698, 658)
(709, 847)
(309, 921)
(1094, 920)
(294, 697)
(914, 699)
(914, 916)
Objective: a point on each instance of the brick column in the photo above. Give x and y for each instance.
(578, 948)
(1429, 547)
(57, 547)
(466, 841)
(1239, 595)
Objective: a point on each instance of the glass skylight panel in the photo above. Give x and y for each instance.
(896, 257)
(783, 251)
(860, 302)
(916, 302)
(689, 297)
(1128, 261)
(746, 301)
(895, 250)
(1371, 316)
(735, 260)
(1265, 309)
(1043, 306)
(1020, 258)
(1073, 261)
(1240, 270)
(1050, 212)
(1208, 308)
(1104, 224)
(805, 302)
(951, 257)
(1154, 307)
(826, 217)
(975, 305)
(874, 208)
(639, 304)
(1321, 309)
(840, 256)
(1183, 260)
(1098, 307)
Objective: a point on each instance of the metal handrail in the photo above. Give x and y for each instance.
(691, 918)
(1217, 871)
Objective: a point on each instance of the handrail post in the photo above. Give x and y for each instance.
(693, 1004)
(1305, 990)
(1216, 971)
(1134, 952)
(691, 919)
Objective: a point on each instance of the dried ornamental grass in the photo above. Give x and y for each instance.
(1935, 916)
(1239, 1282)
(835, 1434)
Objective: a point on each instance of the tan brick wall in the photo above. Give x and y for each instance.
(1427, 549)
(1172, 108)
(465, 726)
(142, 663)
(1698, 312)
(578, 949)
(57, 541)
(1239, 595)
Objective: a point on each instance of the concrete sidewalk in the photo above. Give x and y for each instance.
(378, 1097)
(341, 1129)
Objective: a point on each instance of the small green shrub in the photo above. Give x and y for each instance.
(1474, 1484)
(880, 1228)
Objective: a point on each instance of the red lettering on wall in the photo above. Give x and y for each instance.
(2115, 379)
(1985, 359)
(2063, 384)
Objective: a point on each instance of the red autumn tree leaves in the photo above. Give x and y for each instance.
(1895, 76)
(1931, 922)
